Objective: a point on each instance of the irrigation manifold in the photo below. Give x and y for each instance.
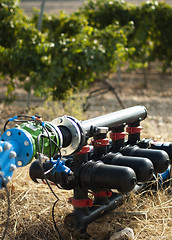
(102, 155)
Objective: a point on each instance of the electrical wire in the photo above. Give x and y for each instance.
(40, 151)
(8, 208)
(55, 140)
(43, 136)
(50, 145)
(57, 199)
(15, 119)
(47, 182)
(41, 164)
(54, 222)
(6, 125)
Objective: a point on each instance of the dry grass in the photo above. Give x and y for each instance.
(148, 214)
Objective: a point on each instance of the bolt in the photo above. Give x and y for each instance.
(64, 152)
(71, 177)
(73, 146)
(7, 146)
(8, 179)
(12, 167)
(13, 154)
(1, 173)
(60, 120)
(8, 133)
(1, 149)
(19, 163)
(26, 143)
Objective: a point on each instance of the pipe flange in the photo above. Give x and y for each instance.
(75, 133)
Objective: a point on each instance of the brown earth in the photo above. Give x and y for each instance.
(157, 98)
(51, 7)
(69, 6)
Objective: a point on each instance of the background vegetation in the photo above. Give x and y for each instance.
(74, 50)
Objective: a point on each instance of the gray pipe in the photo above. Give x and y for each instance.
(115, 119)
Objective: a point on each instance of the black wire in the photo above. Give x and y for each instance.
(57, 199)
(25, 116)
(5, 125)
(50, 146)
(43, 136)
(20, 120)
(53, 155)
(41, 165)
(8, 209)
(54, 222)
(55, 133)
(55, 143)
(42, 169)
(18, 116)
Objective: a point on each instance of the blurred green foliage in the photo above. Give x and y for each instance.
(73, 50)
(151, 20)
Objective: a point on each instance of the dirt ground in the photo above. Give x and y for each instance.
(157, 98)
(69, 6)
(52, 7)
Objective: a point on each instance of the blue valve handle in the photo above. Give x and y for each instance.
(59, 166)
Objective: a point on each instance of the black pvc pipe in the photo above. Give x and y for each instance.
(115, 119)
(78, 219)
(115, 201)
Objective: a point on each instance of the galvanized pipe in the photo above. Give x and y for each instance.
(115, 119)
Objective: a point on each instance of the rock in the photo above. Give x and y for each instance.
(124, 234)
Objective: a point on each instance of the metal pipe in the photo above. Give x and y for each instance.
(115, 119)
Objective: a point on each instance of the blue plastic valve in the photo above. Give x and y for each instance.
(59, 166)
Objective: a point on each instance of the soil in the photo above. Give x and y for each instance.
(68, 6)
(98, 100)
(51, 7)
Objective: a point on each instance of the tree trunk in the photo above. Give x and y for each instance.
(39, 24)
(111, 88)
